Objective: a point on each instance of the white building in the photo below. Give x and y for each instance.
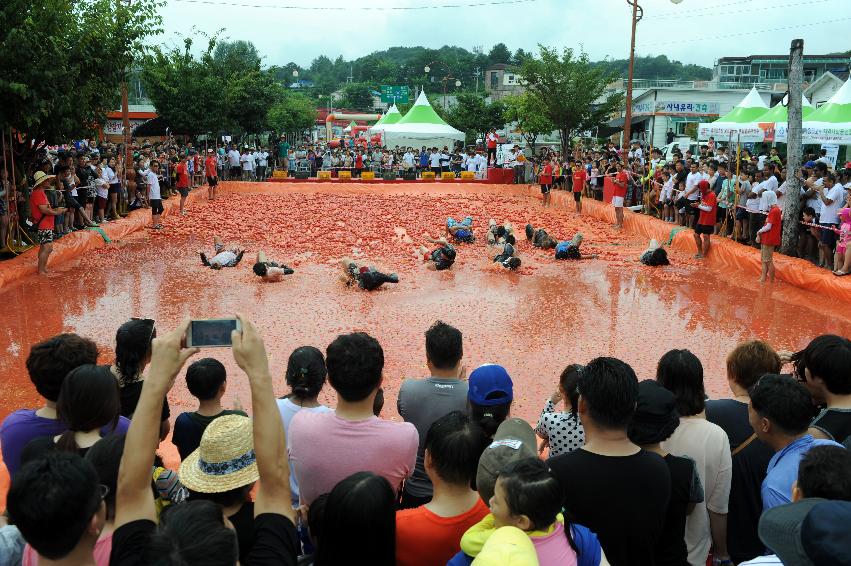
(824, 88)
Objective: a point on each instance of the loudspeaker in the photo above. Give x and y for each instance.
(302, 174)
(409, 175)
(389, 176)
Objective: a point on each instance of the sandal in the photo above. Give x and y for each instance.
(840, 273)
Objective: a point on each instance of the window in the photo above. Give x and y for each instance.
(494, 80)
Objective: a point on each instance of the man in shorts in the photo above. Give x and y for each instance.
(223, 257)
(570, 249)
(155, 201)
(621, 182)
(461, 231)
(211, 167)
(705, 227)
(364, 276)
(270, 271)
(580, 177)
(507, 259)
(43, 215)
(182, 184)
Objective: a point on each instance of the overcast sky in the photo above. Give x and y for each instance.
(693, 31)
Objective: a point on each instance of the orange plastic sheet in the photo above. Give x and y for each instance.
(725, 255)
(75, 244)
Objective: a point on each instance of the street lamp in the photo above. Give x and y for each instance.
(445, 79)
(637, 14)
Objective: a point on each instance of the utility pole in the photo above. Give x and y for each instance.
(477, 73)
(637, 14)
(792, 204)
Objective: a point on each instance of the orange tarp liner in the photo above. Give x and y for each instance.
(75, 244)
(725, 255)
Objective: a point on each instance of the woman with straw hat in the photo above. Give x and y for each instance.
(223, 470)
(42, 214)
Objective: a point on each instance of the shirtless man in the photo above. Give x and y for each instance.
(570, 249)
(540, 238)
(461, 231)
(500, 234)
(364, 276)
(223, 257)
(270, 271)
(507, 259)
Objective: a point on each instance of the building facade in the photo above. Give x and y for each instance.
(767, 71)
(501, 81)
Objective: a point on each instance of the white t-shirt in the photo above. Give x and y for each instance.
(233, 158)
(288, 409)
(263, 158)
(434, 159)
(247, 162)
(707, 444)
(667, 189)
(153, 185)
(470, 163)
(814, 202)
(102, 187)
(781, 192)
(830, 212)
(753, 203)
(408, 158)
(481, 163)
(692, 179)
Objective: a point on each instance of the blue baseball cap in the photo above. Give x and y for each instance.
(490, 380)
(810, 164)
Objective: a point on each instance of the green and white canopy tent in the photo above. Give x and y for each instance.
(739, 123)
(778, 118)
(420, 126)
(391, 117)
(350, 126)
(831, 123)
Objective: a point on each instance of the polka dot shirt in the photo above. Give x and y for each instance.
(563, 430)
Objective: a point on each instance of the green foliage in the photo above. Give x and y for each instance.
(568, 88)
(62, 63)
(357, 96)
(529, 114)
(223, 90)
(293, 112)
(474, 116)
(658, 67)
(499, 53)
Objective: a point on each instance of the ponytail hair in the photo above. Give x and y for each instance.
(489, 417)
(306, 373)
(568, 382)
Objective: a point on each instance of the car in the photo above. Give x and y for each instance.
(681, 144)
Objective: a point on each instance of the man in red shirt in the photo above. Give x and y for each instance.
(707, 206)
(43, 216)
(580, 176)
(621, 182)
(182, 170)
(769, 236)
(210, 166)
(492, 140)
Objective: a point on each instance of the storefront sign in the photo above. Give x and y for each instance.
(674, 107)
(116, 127)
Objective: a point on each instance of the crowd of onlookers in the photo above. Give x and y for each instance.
(615, 471)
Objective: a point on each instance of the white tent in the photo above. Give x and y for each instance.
(739, 122)
(831, 122)
(391, 117)
(420, 126)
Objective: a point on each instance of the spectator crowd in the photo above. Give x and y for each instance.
(615, 471)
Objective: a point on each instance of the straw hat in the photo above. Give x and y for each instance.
(225, 458)
(41, 177)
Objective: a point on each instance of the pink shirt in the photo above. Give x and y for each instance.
(103, 547)
(553, 549)
(325, 449)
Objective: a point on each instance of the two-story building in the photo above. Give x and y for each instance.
(501, 80)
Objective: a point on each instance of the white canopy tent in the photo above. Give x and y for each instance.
(420, 126)
(391, 117)
(831, 122)
(739, 123)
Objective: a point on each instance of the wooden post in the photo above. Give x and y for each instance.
(627, 121)
(792, 199)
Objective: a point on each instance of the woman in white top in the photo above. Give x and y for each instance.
(562, 431)
(114, 188)
(681, 373)
(306, 375)
(102, 188)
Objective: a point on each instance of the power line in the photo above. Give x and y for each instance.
(715, 10)
(473, 4)
(725, 36)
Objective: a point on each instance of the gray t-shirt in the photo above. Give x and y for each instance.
(421, 402)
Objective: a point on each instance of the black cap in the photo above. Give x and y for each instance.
(656, 416)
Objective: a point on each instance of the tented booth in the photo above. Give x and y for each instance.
(391, 117)
(740, 123)
(421, 126)
(831, 123)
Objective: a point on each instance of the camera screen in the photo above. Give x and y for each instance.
(211, 332)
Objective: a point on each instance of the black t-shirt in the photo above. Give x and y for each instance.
(624, 499)
(189, 427)
(243, 524)
(834, 422)
(749, 469)
(275, 543)
(130, 395)
(686, 488)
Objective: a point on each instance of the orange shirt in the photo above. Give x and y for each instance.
(425, 539)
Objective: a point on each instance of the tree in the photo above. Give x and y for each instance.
(293, 112)
(499, 53)
(474, 116)
(530, 115)
(62, 63)
(235, 57)
(357, 96)
(571, 91)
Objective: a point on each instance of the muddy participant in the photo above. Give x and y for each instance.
(364, 276)
(440, 258)
(270, 271)
(500, 234)
(540, 238)
(570, 249)
(461, 231)
(507, 259)
(655, 255)
(223, 257)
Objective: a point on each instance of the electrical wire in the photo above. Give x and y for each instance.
(755, 32)
(473, 4)
(716, 11)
